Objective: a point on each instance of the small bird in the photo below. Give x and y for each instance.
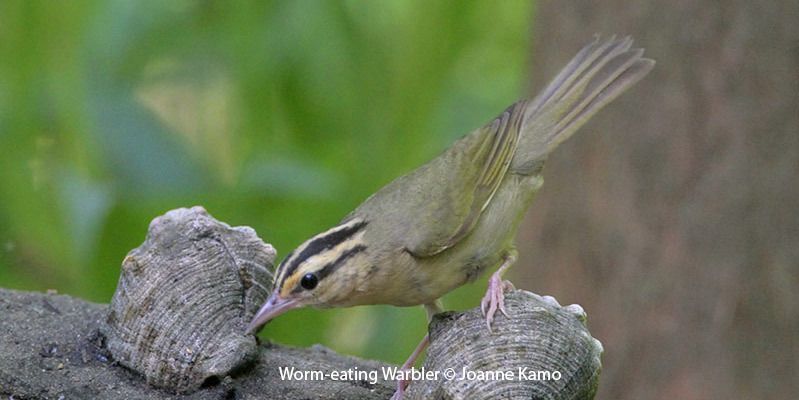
(443, 224)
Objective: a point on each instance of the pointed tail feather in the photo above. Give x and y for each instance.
(599, 73)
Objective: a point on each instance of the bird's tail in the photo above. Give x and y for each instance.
(599, 73)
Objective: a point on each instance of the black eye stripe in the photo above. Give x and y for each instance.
(330, 267)
(319, 245)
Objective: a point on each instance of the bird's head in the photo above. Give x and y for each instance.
(321, 272)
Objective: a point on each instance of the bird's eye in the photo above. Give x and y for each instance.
(309, 281)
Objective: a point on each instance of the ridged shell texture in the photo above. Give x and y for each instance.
(184, 299)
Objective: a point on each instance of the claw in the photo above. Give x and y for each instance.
(494, 298)
(502, 306)
(507, 286)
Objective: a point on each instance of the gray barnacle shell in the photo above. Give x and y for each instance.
(184, 299)
(543, 351)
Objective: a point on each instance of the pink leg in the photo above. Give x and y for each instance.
(494, 298)
(402, 384)
(431, 309)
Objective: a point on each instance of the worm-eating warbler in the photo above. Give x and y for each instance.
(442, 225)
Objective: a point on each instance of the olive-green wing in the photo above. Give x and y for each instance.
(471, 172)
(442, 201)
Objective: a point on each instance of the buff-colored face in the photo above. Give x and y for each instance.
(318, 273)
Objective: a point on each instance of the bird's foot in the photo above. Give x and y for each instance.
(494, 298)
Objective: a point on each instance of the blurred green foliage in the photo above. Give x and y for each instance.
(278, 115)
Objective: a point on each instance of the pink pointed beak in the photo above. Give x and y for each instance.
(273, 307)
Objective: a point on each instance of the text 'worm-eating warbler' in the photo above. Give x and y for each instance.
(440, 226)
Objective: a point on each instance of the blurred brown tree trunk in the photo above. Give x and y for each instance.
(673, 217)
